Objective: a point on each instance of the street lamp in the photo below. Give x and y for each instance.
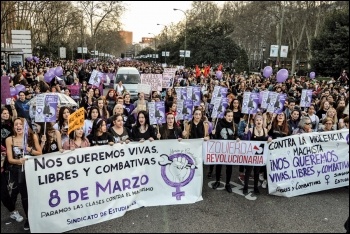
(175, 9)
(166, 40)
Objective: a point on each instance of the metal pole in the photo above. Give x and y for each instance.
(175, 9)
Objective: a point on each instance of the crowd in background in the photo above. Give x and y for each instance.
(114, 118)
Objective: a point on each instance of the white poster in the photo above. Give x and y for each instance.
(308, 163)
(62, 52)
(95, 78)
(273, 50)
(230, 152)
(91, 185)
(284, 52)
(155, 80)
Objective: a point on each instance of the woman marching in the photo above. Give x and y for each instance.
(143, 130)
(257, 133)
(196, 128)
(225, 130)
(15, 153)
(77, 140)
(170, 130)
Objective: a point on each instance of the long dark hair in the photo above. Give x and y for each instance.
(90, 111)
(95, 126)
(145, 113)
(285, 126)
(49, 128)
(165, 130)
(60, 116)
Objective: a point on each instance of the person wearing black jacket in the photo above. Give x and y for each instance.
(225, 130)
(170, 130)
(143, 130)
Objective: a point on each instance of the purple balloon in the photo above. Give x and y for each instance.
(13, 91)
(312, 75)
(282, 75)
(29, 58)
(267, 71)
(58, 71)
(48, 76)
(20, 88)
(219, 74)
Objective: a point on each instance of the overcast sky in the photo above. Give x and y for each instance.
(142, 17)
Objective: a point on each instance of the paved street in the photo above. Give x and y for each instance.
(220, 211)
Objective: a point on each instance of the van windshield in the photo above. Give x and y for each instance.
(128, 78)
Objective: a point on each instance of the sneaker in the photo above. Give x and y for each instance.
(16, 216)
(26, 226)
(264, 184)
(241, 178)
(261, 177)
(209, 175)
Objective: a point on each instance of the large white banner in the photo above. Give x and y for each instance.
(308, 163)
(91, 185)
(234, 153)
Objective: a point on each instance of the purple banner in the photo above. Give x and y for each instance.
(306, 98)
(5, 89)
(156, 112)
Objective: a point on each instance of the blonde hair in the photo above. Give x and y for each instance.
(335, 117)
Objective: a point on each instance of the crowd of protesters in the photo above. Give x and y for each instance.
(115, 118)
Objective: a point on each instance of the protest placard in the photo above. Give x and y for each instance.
(218, 92)
(74, 91)
(306, 98)
(76, 120)
(156, 112)
(168, 77)
(155, 80)
(46, 108)
(250, 103)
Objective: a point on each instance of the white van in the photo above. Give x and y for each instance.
(130, 77)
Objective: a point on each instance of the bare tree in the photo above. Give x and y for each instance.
(99, 12)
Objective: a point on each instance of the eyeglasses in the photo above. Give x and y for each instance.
(307, 123)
